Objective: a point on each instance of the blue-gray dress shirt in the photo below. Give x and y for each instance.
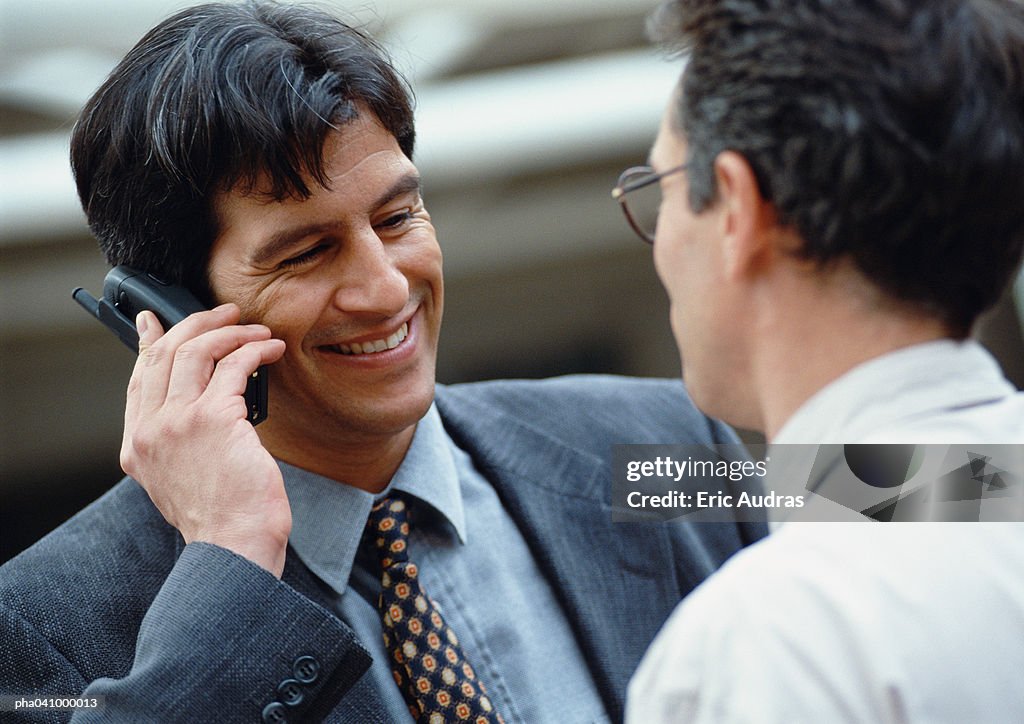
(473, 562)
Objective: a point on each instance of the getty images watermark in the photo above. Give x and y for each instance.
(881, 483)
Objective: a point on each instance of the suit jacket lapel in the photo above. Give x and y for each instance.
(605, 575)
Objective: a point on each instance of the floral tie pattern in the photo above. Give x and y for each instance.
(426, 660)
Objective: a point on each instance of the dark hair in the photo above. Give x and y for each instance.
(216, 97)
(891, 131)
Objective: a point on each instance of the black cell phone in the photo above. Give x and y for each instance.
(128, 291)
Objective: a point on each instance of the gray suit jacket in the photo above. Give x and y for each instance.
(114, 604)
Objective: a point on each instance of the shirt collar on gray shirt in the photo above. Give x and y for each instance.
(328, 516)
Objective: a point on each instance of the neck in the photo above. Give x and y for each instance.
(364, 461)
(813, 336)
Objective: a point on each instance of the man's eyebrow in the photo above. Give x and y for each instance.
(408, 183)
(283, 239)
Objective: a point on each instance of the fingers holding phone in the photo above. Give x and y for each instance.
(181, 362)
(187, 439)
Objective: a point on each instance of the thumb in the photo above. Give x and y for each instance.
(149, 329)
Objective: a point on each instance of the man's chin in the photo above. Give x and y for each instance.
(392, 414)
(339, 415)
(405, 413)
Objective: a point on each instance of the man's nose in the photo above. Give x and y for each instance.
(369, 280)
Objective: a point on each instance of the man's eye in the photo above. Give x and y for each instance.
(304, 257)
(395, 221)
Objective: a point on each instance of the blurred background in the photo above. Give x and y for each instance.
(527, 113)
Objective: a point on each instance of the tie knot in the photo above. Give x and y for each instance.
(388, 525)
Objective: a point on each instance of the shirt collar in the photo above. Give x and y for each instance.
(896, 388)
(429, 473)
(328, 516)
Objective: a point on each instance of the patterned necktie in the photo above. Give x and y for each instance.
(427, 662)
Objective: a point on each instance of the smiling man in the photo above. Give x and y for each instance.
(350, 279)
(260, 155)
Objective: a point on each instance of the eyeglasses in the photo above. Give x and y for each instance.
(642, 208)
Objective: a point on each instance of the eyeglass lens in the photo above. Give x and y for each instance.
(643, 204)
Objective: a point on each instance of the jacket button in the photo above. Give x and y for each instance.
(306, 669)
(275, 713)
(289, 691)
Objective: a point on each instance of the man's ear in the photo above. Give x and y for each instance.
(747, 220)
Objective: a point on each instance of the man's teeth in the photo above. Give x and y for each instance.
(377, 345)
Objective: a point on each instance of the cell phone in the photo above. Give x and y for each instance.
(128, 291)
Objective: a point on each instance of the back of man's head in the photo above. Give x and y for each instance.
(889, 132)
(221, 96)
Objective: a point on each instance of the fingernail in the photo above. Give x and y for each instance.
(142, 323)
(221, 307)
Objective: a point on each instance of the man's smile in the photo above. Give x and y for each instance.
(373, 346)
(378, 348)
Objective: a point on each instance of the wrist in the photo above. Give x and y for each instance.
(265, 545)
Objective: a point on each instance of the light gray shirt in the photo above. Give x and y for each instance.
(473, 562)
(862, 622)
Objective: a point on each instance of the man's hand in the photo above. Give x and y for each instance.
(187, 440)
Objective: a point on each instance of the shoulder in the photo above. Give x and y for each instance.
(121, 526)
(90, 581)
(759, 640)
(842, 618)
(578, 389)
(633, 410)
